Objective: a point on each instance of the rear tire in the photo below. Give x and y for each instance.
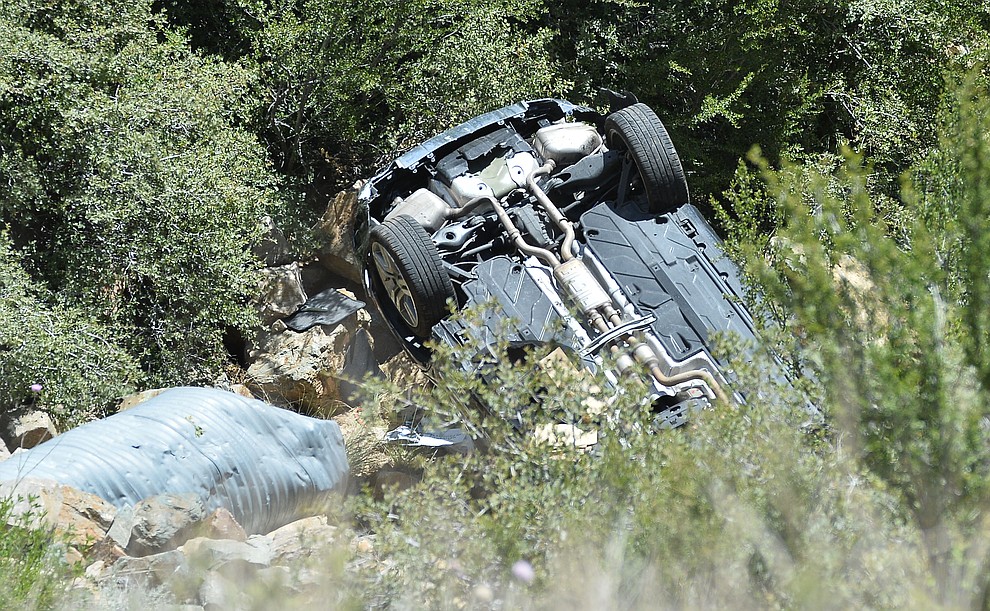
(411, 273)
(637, 130)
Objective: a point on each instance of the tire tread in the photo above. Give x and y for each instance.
(419, 261)
(647, 140)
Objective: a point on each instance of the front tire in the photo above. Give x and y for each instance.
(411, 273)
(637, 130)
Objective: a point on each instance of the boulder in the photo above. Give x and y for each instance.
(153, 570)
(404, 372)
(317, 278)
(301, 539)
(221, 524)
(84, 517)
(162, 523)
(25, 428)
(280, 292)
(220, 592)
(106, 552)
(4, 452)
(337, 226)
(359, 364)
(272, 249)
(300, 368)
(137, 398)
(230, 558)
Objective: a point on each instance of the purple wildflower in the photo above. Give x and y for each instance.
(523, 571)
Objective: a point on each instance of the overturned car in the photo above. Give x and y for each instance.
(572, 229)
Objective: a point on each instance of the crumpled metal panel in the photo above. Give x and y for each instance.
(267, 465)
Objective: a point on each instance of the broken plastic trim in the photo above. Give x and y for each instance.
(408, 436)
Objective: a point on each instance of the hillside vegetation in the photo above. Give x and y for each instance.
(843, 147)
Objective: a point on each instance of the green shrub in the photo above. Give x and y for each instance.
(742, 508)
(32, 560)
(749, 507)
(892, 320)
(78, 362)
(342, 86)
(126, 184)
(798, 78)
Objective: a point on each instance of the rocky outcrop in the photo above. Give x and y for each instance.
(300, 369)
(161, 523)
(82, 517)
(139, 397)
(280, 292)
(273, 248)
(25, 427)
(176, 551)
(337, 226)
(220, 573)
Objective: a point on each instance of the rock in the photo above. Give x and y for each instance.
(95, 570)
(317, 278)
(221, 524)
(4, 452)
(404, 372)
(218, 592)
(119, 532)
(359, 364)
(138, 398)
(156, 569)
(364, 545)
(280, 292)
(164, 522)
(337, 225)
(278, 578)
(235, 559)
(84, 517)
(272, 249)
(106, 551)
(362, 318)
(242, 390)
(300, 368)
(25, 428)
(301, 539)
(73, 556)
(170, 571)
(566, 435)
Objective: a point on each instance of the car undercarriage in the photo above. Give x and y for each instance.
(566, 228)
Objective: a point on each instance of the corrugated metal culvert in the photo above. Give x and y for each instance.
(267, 465)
